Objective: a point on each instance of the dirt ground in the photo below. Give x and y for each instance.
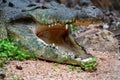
(108, 69)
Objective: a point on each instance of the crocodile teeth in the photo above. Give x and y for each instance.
(66, 26)
(56, 47)
(49, 26)
(53, 44)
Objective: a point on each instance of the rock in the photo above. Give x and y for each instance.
(100, 39)
(119, 58)
(19, 67)
(2, 75)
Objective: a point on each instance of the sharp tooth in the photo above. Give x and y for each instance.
(53, 44)
(49, 26)
(56, 47)
(66, 26)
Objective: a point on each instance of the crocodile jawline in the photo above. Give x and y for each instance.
(60, 37)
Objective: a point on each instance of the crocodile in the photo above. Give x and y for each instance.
(46, 31)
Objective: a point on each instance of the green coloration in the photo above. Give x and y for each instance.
(55, 64)
(9, 51)
(63, 59)
(16, 78)
(2, 62)
(90, 65)
(73, 28)
(79, 69)
(71, 68)
(5, 70)
(74, 68)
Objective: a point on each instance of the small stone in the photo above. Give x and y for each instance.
(19, 67)
(119, 58)
(2, 75)
(105, 26)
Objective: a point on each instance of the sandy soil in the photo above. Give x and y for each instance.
(108, 69)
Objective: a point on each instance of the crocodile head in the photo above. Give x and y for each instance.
(56, 26)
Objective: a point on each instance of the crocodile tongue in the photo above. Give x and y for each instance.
(60, 37)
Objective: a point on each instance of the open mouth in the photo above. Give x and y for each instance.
(55, 35)
(60, 37)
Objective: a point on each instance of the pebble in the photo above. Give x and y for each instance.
(119, 58)
(2, 75)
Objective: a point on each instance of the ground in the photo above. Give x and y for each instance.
(108, 69)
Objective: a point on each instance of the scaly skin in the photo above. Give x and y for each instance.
(51, 38)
